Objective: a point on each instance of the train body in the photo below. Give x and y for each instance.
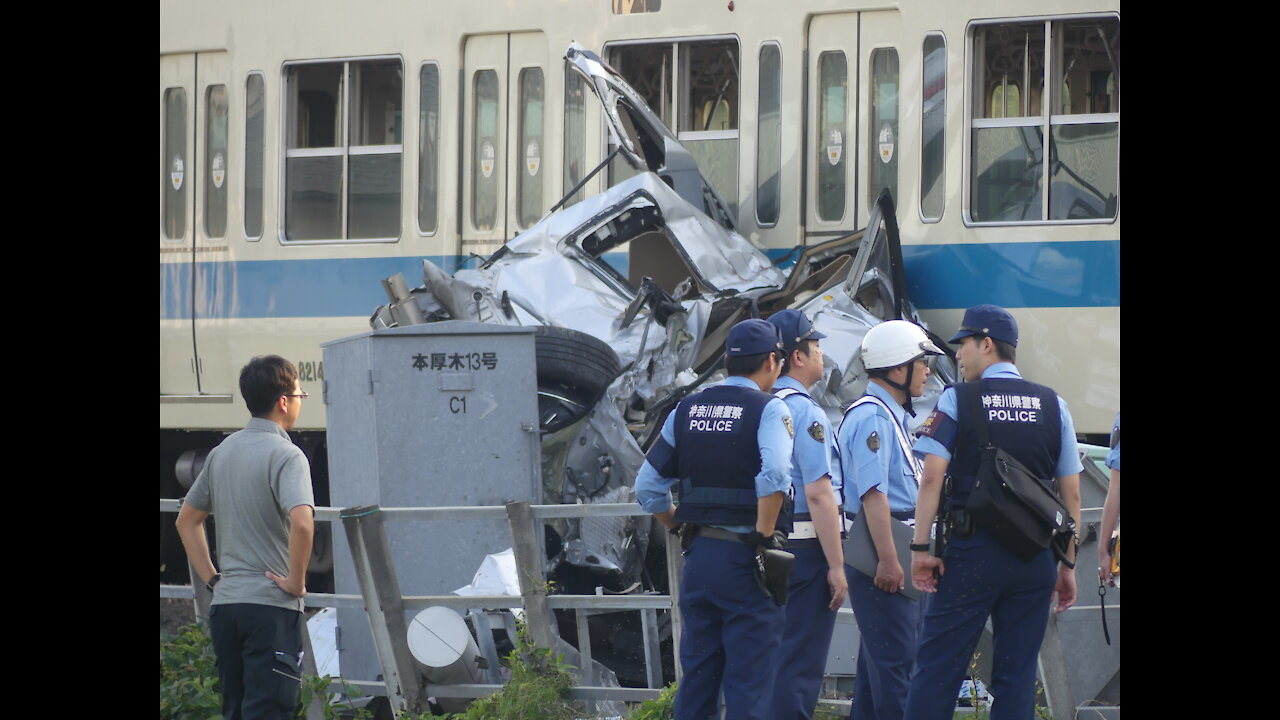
(310, 149)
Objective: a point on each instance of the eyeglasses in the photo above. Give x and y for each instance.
(304, 395)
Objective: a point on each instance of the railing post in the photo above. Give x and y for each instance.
(1053, 672)
(202, 598)
(524, 545)
(587, 673)
(652, 648)
(484, 638)
(675, 561)
(315, 710)
(384, 606)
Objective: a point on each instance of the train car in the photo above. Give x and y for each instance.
(310, 149)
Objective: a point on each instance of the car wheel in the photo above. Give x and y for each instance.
(574, 369)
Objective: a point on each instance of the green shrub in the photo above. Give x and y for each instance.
(538, 689)
(663, 708)
(189, 687)
(190, 690)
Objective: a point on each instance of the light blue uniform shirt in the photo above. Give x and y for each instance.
(1068, 456)
(1113, 457)
(885, 467)
(811, 458)
(653, 491)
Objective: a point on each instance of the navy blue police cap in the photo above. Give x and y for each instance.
(991, 320)
(794, 327)
(752, 337)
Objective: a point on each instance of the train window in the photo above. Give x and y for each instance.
(484, 178)
(933, 120)
(833, 91)
(692, 86)
(428, 147)
(173, 172)
(710, 97)
(769, 137)
(648, 69)
(254, 152)
(215, 159)
(1010, 77)
(1016, 128)
(529, 179)
(373, 177)
(883, 133)
(628, 7)
(1084, 142)
(708, 126)
(575, 132)
(343, 185)
(314, 161)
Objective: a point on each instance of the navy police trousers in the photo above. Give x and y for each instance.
(982, 579)
(801, 659)
(889, 624)
(731, 632)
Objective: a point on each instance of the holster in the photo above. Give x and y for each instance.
(773, 573)
(687, 533)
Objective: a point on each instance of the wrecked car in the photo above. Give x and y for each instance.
(632, 293)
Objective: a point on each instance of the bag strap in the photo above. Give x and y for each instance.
(1102, 594)
(903, 443)
(786, 392)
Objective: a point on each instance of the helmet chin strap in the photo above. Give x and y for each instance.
(906, 389)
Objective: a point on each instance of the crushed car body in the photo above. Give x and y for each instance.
(633, 292)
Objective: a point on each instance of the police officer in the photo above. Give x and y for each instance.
(818, 585)
(1110, 508)
(729, 448)
(977, 577)
(881, 477)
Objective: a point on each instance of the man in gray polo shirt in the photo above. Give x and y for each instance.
(259, 484)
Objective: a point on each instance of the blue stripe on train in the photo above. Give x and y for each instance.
(1034, 274)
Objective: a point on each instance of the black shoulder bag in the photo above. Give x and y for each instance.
(1022, 512)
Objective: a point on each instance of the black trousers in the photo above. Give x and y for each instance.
(259, 651)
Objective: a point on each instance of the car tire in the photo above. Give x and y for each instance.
(574, 369)
(575, 361)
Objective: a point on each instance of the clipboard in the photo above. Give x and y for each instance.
(860, 550)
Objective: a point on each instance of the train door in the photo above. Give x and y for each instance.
(841, 175)
(505, 159)
(194, 221)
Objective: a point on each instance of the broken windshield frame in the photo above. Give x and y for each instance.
(635, 216)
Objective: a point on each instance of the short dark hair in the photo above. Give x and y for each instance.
(804, 346)
(745, 364)
(1004, 350)
(263, 380)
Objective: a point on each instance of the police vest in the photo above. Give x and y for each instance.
(1023, 419)
(717, 457)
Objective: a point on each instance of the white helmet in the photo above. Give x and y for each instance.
(893, 343)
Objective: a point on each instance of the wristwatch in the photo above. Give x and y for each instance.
(213, 581)
(921, 547)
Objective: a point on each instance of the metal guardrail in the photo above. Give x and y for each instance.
(405, 685)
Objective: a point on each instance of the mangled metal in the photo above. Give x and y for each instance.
(649, 272)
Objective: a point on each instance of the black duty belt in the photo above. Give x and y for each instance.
(716, 533)
(900, 515)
